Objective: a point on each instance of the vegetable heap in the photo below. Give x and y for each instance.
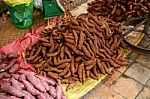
(120, 10)
(78, 48)
(16, 83)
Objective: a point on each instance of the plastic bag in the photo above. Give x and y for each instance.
(22, 13)
(38, 4)
(13, 3)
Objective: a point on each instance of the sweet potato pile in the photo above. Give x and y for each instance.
(8, 65)
(120, 10)
(78, 48)
(30, 86)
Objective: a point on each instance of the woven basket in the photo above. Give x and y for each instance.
(71, 4)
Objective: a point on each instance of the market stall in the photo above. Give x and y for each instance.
(69, 55)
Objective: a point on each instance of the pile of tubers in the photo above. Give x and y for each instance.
(30, 86)
(16, 83)
(78, 48)
(120, 10)
(8, 65)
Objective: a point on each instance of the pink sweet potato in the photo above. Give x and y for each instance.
(41, 96)
(48, 96)
(28, 95)
(30, 87)
(12, 62)
(36, 82)
(48, 80)
(14, 68)
(16, 84)
(45, 84)
(12, 90)
(52, 91)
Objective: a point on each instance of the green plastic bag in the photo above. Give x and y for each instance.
(22, 14)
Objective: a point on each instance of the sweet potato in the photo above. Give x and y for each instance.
(68, 74)
(71, 41)
(101, 67)
(62, 61)
(14, 68)
(112, 63)
(107, 49)
(48, 96)
(81, 40)
(91, 46)
(12, 90)
(12, 62)
(62, 66)
(27, 95)
(1, 75)
(53, 54)
(45, 84)
(70, 86)
(17, 84)
(80, 71)
(36, 54)
(67, 52)
(48, 80)
(59, 92)
(87, 73)
(105, 67)
(72, 65)
(52, 69)
(3, 65)
(40, 64)
(32, 52)
(95, 71)
(65, 70)
(90, 62)
(89, 49)
(30, 87)
(6, 75)
(11, 55)
(73, 21)
(75, 36)
(36, 82)
(53, 91)
(43, 40)
(41, 96)
(46, 44)
(62, 52)
(74, 49)
(93, 76)
(86, 52)
(89, 67)
(53, 75)
(114, 43)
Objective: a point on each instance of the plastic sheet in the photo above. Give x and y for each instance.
(20, 45)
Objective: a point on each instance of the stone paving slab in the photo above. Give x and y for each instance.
(111, 94)
(148, 83)
(144, 60)
(145, 94)
(139, 73)
(127, 87)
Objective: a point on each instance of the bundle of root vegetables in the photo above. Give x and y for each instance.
(16, 83)
(78, 48)
(30, 86)
(120, 10)
(8, 65)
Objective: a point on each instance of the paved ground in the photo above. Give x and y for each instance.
(132, 82)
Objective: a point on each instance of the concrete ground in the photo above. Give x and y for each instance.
(130, 82)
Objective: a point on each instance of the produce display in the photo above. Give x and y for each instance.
(8, 65)
(78, 48)
(16, 83)
(120, 10)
